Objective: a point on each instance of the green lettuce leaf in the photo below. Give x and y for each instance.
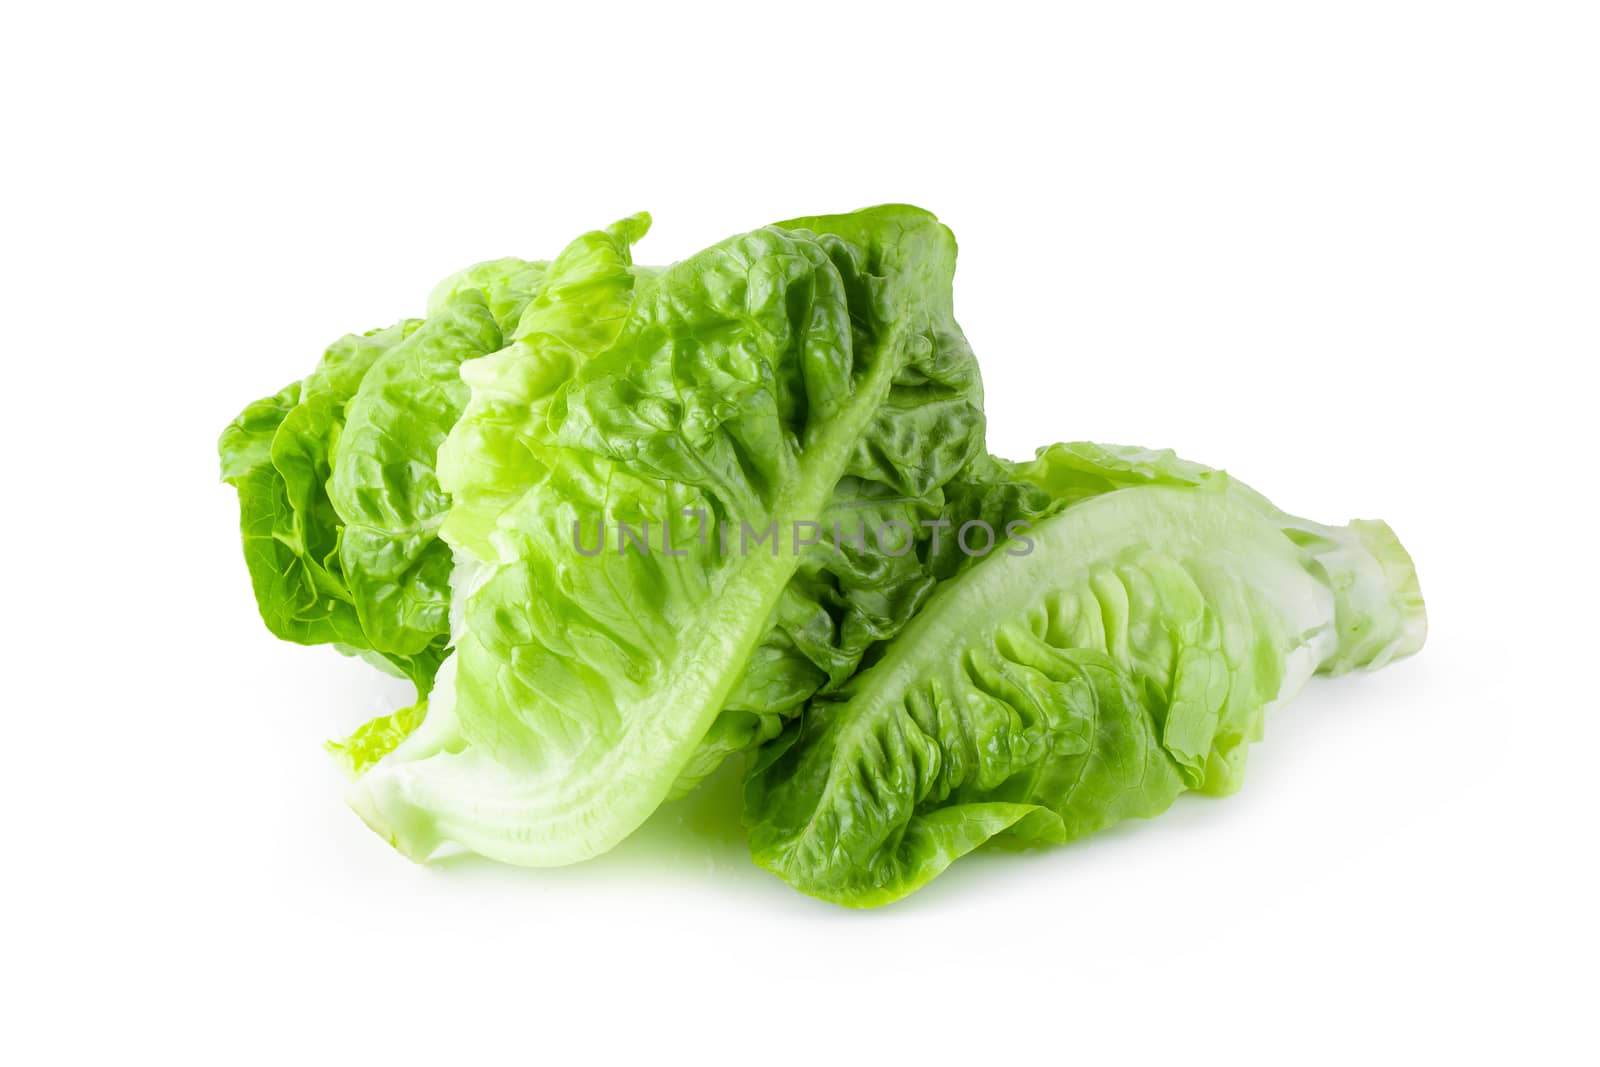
(503, 441)
(383, 484)
(506, 286)
(377, 738)
(340, 505)
(781, 377)
(278, 456)
(1128, 651)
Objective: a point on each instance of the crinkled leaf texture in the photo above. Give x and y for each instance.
(1132, 654)
(278, 455)
(802, 372)
(377, 738)
(340, 504)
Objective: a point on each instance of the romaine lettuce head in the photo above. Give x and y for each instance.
(804, 373)
(1126, 649)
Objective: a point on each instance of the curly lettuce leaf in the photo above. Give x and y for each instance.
(506, 285)
(769, 379)
(383, 484)
(377, 738)
(1131, 655)
(278, 456)
(339, 501)
(503, 441)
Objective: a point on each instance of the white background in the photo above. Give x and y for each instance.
(1350, 252)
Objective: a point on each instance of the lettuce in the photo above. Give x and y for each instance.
(280, 456)
(339, 497)
(780, 378)
(613, 522)
(1131, 655)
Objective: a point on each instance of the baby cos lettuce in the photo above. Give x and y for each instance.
(1132, 655)
(768, 379)
(431, 497)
